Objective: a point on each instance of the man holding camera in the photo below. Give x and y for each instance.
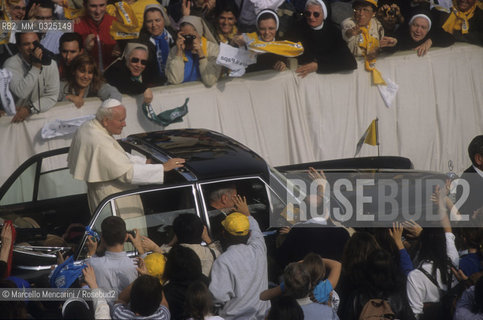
(35, 77)
(114, 269)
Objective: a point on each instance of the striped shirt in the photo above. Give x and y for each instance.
(121, 311)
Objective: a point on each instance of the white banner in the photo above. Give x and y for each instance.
(235, 59)
(59, 128)
(6, 98)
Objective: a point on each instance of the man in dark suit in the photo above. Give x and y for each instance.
(474, 176)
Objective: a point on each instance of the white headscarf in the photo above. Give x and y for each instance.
(324, 10)
(167, 21)
(273, 13)
(131, 46)
(420, 15)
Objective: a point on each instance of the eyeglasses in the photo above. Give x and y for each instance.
(363, 9)
(307, 14)
(136, 60)
(20, 8)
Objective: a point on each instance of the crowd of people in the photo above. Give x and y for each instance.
(129, 47)
(330, 271)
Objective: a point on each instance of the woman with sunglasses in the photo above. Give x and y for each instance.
(84, 80)
(324, 49)
(127, 73)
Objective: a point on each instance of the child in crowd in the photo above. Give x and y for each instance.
(322, 288)
(199, 302)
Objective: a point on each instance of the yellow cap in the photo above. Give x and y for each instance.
(236, 224)
(373, 2)
(155, 263)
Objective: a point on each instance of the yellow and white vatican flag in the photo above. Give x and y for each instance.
(126, 24)
(4, 32)
(282, 48)
(370, 136)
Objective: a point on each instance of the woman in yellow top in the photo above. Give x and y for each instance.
(267, 27)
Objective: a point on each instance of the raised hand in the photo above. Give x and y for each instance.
(396, 234)
(413, 229)
(241, 204)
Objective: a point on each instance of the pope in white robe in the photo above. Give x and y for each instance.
(97, 158)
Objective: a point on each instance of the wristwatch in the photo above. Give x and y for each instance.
(33, 109)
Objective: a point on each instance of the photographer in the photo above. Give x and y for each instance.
(194, 57)
(43, 11)
(35, 77)
(389, 15)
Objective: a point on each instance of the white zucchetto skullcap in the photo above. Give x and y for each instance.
(110, 103)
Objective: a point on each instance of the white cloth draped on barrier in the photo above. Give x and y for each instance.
(286, 119)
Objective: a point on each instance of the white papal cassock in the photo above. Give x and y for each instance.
(97, 158)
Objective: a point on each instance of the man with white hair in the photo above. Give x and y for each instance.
(97, 158)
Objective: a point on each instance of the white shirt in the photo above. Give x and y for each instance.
(420, 289)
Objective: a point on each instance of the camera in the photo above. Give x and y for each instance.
(390, 12)
(188, 40)
(47, 55)
(132, 233)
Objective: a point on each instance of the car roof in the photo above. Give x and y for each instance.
(380, 162)
(209, 154)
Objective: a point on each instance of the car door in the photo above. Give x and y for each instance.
(153, 213)
(264, 204)
(43, 193)
(43, 200)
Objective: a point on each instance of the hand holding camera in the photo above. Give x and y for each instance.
(36, 57)
(40, 55)
(188, 41)
(180, 44)
(389, 16)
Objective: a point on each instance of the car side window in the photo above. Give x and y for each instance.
(151, 212)
(55, 180)
(22, 190)
(259, 199)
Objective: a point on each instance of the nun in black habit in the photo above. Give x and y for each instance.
(420, 34)
(324, 49)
